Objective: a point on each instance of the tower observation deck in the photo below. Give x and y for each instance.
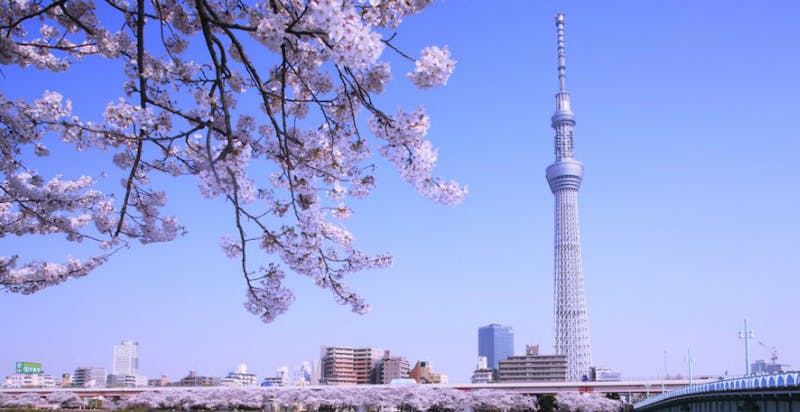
(571, 321)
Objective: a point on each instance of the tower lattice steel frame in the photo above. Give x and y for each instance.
(571, 323)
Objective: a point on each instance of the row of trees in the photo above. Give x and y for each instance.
(404, 398)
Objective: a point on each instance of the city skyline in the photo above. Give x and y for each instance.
(688, 209)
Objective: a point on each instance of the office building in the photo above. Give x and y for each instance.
(495, 342)
(126, 358)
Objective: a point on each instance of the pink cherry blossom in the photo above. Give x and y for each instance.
(287, 172)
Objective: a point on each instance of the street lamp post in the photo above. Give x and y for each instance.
(746, 334)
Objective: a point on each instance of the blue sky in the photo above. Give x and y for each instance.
(686, 125)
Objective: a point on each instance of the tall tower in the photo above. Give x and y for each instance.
(571, 328)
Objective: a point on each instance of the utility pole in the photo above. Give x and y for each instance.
(746, 334)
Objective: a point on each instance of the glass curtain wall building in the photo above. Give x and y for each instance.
(496, 343)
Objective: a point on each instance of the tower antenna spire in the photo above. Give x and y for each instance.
(562, 60)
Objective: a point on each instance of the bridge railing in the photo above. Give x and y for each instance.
(772, 381)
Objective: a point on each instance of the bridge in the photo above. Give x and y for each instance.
(766, 393)
(645, 387)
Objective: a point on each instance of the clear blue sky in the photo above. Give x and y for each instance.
(686, 124)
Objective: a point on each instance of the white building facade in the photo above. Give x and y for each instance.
(24, 380)
(126, 358)
(89, 378)
(240, 378)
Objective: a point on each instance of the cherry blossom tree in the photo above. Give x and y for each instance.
(287, 171)
(67, 400)
(352, 398)
(587, 402)
(25, 400)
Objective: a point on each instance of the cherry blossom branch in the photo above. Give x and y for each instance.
(179, 115)
(142, 103)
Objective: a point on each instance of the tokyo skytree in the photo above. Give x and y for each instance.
(571, 323)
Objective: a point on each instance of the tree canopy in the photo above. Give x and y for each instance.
(287, 171)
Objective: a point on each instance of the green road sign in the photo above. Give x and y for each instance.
(29, 368)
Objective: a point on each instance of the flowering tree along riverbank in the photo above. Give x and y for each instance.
(405, 398)
(287, 170)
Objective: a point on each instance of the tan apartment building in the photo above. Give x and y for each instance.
(349, 366)
(423, 373)
(533, 367)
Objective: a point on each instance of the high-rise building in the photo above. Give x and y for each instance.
(495, 342)
(533, 367)
(126, 358)
(571, 323)
(349, 366)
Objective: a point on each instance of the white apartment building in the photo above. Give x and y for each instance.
(126, 381)
(240, 377)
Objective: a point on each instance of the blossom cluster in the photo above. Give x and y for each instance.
(586, 402)
(288, 172)
(413, 156)
(404, 397)
(433, 68)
